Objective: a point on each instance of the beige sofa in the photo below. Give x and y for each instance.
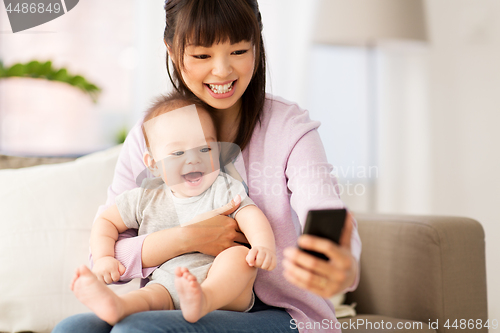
(428, 269)
(414, 269)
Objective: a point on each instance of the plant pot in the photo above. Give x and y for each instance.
(41, 117)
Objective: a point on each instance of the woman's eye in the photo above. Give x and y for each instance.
(205, 150)
(178, 153)
(201, 56)
(240, 52)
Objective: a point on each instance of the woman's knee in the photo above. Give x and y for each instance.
(153, 322)
(82, 323)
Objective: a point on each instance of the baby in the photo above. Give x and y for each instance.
(183, 154)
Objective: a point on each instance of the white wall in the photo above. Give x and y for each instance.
(440, 146)
(287, 32)
(404, 144)
(150, 75)
(465, 117)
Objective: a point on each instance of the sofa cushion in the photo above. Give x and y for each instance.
(17, 162)
(46, 213)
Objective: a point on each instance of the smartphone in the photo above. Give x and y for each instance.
(325, 223)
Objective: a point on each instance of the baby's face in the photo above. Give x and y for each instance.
(184, 145)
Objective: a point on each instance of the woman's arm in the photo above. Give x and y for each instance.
(211, 234)
(313, 187)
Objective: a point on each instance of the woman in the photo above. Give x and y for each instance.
(218, 55)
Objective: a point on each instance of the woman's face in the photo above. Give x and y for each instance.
(220, 74)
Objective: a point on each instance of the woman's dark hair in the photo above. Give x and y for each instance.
(205, 22)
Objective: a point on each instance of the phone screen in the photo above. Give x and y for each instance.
(325, 223)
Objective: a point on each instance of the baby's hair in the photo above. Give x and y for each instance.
(174, 101)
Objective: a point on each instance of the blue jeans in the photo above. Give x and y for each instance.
(266, 321)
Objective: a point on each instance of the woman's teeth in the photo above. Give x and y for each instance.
(221, 89)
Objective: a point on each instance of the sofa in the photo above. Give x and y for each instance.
(421, 269)
(415, 270)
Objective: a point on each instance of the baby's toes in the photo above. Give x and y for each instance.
(179, 271)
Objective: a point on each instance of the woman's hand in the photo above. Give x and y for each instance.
(213, 232)
(212, 235)
(324, 278)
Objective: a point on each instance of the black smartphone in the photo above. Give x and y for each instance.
(325, 223)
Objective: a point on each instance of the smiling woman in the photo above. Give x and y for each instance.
(219, 43)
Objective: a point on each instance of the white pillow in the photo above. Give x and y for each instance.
(342, 310)
(46, 213)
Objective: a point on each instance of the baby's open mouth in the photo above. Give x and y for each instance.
(193, 177)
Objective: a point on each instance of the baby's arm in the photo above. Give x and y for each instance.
(103, 237)
(254, 224)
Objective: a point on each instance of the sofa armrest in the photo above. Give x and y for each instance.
(422, 268)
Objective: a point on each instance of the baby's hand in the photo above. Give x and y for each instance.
(108, 269)
(261, 257)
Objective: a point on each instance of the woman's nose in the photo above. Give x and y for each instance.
(222, 67)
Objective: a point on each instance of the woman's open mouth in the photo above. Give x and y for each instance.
(221, 90)
(193, 178)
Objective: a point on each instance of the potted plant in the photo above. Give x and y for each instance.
(46, 110)
(44, 70)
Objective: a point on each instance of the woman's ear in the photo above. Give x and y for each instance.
(150, 163)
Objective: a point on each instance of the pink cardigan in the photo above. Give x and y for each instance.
(287, 173)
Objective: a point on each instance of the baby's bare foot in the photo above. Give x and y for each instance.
(97, 296)
(191, 296)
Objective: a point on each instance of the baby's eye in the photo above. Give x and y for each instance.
(177, 153)
(201, 56)
(205, 150)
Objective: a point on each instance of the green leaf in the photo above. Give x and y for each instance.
(62, 75)
(16, 70)
(32, 68)
(121, 135)
(77, 81)
(45, 68)
(92, 87)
